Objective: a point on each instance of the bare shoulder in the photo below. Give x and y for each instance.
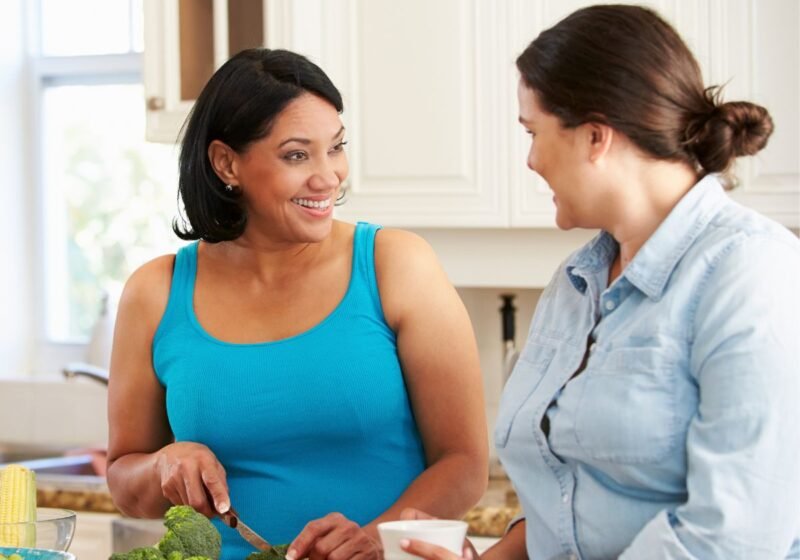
(409, 274)
(147, 290)
(403, 252)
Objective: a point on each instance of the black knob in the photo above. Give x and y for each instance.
(508, 313)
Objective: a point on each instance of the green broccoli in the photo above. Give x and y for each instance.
(142, 553)
(277, 552)
(189, 533)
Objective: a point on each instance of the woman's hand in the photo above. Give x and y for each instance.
(334, 537)
(191, 475)
(431, 551)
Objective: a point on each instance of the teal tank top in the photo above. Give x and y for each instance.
(304, 426)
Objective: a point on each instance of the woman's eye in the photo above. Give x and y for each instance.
(339, 147)
(295, 156)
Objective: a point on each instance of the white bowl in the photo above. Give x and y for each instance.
(446, 533)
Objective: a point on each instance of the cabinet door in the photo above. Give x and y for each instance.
(185, 42)
(751, 47)
(423, 84)
(755, 51)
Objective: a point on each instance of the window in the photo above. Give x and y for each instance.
(106, 197)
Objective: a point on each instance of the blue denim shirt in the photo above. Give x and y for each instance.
(681, 436)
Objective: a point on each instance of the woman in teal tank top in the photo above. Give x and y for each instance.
(318, 376)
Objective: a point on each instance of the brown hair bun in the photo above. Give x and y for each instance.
(729, 130)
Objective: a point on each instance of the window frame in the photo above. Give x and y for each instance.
(45, 71)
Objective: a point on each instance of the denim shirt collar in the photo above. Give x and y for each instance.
(651, 268)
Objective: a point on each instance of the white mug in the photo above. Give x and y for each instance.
(446, 533)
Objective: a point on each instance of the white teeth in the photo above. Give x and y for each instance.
(320, 204)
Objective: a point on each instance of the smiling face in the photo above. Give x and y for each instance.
(561, 156)
(290, 179)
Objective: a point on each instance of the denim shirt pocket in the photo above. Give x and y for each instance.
(528, 372)
(628, 410)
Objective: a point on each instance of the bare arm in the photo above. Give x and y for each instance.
(441, 367)
(147, 472)
(511, 546)
(439, 358)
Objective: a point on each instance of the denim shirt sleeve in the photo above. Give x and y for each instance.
(743, 445)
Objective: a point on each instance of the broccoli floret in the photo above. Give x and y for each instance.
(189, 533)
(142, 553)
(277, 552)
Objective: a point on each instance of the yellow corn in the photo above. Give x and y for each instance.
(17, 506)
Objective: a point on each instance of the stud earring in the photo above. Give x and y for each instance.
(229, 188)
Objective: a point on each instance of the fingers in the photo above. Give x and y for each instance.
(301, 545)
(429, 551)
(333, 537)
(411, 513)
(469, 551)
(191, 475)
(346, 540)
(216, 485)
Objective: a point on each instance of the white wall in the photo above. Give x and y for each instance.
(16, 322)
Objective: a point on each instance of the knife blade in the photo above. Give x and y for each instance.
(233, 521)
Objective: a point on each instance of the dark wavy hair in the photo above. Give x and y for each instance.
(237, 106)
(626, 67)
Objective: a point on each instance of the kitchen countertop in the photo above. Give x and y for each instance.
(489, 518)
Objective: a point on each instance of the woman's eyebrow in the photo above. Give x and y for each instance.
(306, 141)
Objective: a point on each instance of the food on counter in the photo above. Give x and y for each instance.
(190, 533)
(142, 553)
(277, 552)
(17, 505)
(190, 536)
(490, 521)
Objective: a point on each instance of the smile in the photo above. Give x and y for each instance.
(319, 204)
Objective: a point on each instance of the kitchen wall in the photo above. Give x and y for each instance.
(16, 323)
(483, 306)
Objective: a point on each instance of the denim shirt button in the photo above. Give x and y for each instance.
(610, 305)
(565, 498)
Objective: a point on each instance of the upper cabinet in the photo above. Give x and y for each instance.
(185, 41)
(430, 92)
(427, 108)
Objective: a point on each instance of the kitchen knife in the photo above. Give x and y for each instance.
(231, 518)
(510, 354)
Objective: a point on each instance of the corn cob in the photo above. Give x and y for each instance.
(17, 506)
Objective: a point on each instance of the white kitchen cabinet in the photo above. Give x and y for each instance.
(752, 47)
(92, 539)
(185, 42)
(426, 106)
(430, 96)
(755, 45)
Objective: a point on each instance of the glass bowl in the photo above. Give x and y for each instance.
(52, 531)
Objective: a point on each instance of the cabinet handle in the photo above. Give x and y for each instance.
(155, 103)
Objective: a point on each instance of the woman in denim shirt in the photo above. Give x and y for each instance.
(654, 412)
